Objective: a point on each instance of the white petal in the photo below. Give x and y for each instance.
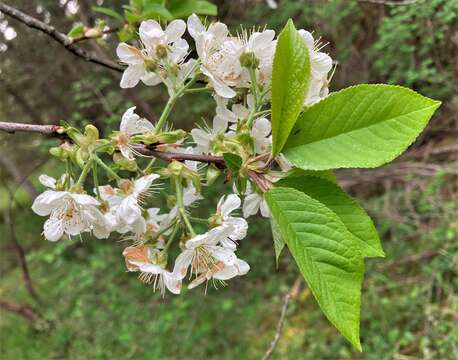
(47, 181)
(151, 32)
(128, 211)
(321, 63)
(262, 126)
(228, 272)
(219, 124)
(201, 138)
(53, 229)
(239, 226)
(126, 151)
(231, 203)
(308, 37)
(195, 27)
(47, 201)
(143, 184)
(262, 40)
(265, 211)
(225, 255)
(178, 51)
(242, 266)
(218, 30)
(128, 121)
(175, 30)
(251, 205)
(132, 76)
(172, 282)
(129, 54)
(150, 79)
(84, 199)
(182, 263)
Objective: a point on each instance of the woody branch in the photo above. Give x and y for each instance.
(58, 132)
(61, 38)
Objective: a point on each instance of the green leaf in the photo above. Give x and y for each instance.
(108, 12)
(185, 8)
(77, 31)
(322, 174)
(279, 243)
(363, 126)
(353, 216)
(156, 11)
(290, 79)
(326, 253)
(233, 161)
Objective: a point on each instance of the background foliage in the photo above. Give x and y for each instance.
(90, 307)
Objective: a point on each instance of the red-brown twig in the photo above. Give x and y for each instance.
(61, 38)
(58, 131)
(21, 309)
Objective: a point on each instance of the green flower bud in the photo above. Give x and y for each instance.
(171, 200)
(175, 168)
(171, 137)
(161, 51)
(212, 174)
(59, 153)
(249, 60)
(123, 163)
(151, 65)
(91, 133)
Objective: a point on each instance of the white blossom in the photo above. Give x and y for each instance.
(215, 63)
(131, 124)
(321, 65)
(154, 40)
(69, 213)
(253, 203)
(125, 202)
(238, 225)
(207, 259)
(204, 139)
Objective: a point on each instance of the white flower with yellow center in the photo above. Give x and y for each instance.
(69, 213)
(160, 48)
(209, 260)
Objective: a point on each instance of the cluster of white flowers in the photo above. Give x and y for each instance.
(237, 73)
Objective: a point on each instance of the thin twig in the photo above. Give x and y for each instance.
(292, 292)
(61, 38)
(21, 309)
(58, 131)
(390, 2)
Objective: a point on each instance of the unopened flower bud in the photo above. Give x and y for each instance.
(249, 60)
(212, 174)
(161, 51)
(171, 137)
(124, 163)
(176, 168)
(150, 65)
(91, 133)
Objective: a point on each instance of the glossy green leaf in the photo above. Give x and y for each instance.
(77, 31)
(326, 253)
(279, 243)
(233, 161)
(322, 174)
(290, 79)
(363, 126)
(156, 11)
(353, 216)
(108, 12)
(185, 8)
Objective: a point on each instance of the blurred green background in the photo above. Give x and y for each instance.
(90, 308)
